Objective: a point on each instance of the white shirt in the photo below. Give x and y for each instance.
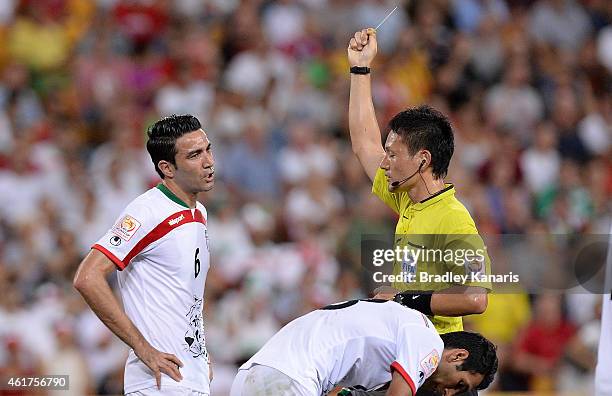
(541, 168)
(603, 380)
(358, 342)
(161, 246)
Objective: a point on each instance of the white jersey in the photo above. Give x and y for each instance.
(603, 380)
(161, 246)
(358, 342)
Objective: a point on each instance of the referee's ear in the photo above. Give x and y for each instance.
(166, 168)
(425, 161)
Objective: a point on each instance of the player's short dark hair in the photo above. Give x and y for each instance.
(163, 135)
(483, 354)
(424, 127)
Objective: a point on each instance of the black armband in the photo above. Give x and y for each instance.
(360, 70)
(418, 301)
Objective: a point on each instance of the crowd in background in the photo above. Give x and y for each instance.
(526, 84)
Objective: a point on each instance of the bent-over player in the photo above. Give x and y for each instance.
(364, 344)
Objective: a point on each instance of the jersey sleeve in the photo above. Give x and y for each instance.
(419, 350)
(202, 210)
(471, 257)
(127, 236)
(380, 189)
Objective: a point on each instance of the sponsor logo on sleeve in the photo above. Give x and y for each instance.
(176, 220)
(430, 363)
(126, 227)
(115, 240)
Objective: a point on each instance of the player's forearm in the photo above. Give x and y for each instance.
(97, 293)
(459, 301)
(454, 301)
(363, 126)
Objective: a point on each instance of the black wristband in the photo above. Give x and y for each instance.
(419, 301)
(360, 70)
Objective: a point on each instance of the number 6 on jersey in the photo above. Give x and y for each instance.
(197, 263)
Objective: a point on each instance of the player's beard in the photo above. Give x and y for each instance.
(209, 183)
(210, 187)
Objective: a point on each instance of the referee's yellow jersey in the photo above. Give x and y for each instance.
(440, 227)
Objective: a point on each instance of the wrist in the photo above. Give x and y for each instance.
(140, 346)
(420, 301)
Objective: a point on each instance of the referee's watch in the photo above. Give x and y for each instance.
(360, 70)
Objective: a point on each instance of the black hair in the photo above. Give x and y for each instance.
(164, 134)
(426, 128)
(483, 354)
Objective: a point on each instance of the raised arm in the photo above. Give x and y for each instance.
(363, 127)
(90, 280)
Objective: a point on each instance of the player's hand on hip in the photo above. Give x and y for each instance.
(160, 362)
(362, 48)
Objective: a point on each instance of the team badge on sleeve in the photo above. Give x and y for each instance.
(430, 363)
(126, 227)
(476, 267)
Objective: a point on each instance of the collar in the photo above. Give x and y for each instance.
(447, 191)
(162, 187)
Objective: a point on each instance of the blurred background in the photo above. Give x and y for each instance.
(527, 85)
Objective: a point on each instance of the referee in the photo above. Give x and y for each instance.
(407, 174)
